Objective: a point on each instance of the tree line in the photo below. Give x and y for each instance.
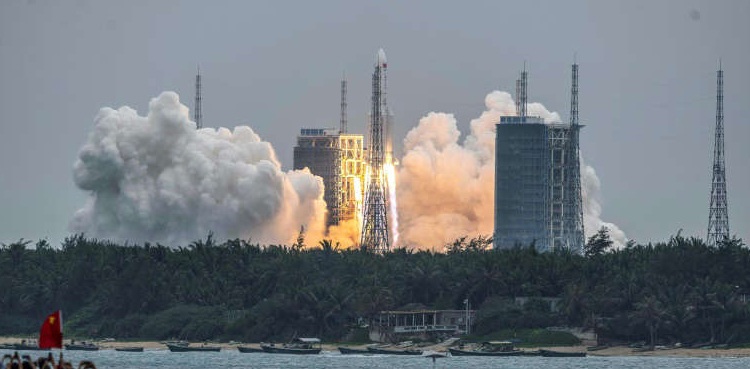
(675, 291)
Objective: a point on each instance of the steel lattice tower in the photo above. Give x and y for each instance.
(375, 229)
(718, 216)
(343, 123)
(198, 113)
(575, 201)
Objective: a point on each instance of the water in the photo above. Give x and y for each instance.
(158, 359)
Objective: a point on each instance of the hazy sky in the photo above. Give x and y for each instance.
(647, 85)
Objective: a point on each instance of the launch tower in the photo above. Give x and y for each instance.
(375, 234)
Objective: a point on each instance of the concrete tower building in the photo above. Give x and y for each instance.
(338, 157)
(537, 186)
(318, 150)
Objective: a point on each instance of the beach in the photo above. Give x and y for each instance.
(611, 351)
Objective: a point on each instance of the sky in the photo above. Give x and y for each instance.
(647, 86)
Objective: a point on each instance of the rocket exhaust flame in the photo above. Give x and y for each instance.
(390, 176)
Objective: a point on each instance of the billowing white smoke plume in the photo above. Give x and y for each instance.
(158, 179)
(592, 208)
(446, 189)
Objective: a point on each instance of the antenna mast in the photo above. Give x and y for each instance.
(576, 199)
(198, 113)
(343, 128)
(718, 216)
(524, 96)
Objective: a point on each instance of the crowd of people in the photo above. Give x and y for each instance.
(16, 361)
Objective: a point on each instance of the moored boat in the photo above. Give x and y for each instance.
(25, 347)
(389, 351)
(129, 349)
(188, 348)
(83, 346)
(459, 352)
(353, 351)
(299, 346)
(248, 349)
(491, 348)
(551, 353)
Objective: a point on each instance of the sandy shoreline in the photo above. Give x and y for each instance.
(611, 351)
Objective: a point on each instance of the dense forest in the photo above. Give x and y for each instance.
(676, 291)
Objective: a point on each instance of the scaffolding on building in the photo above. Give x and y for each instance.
(317, 149)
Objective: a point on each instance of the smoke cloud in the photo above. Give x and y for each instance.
(446, 189)
(158, 179)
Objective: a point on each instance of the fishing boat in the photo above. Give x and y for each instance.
(353, 351)
(299, 346)
(248, 349)
(187, 348)
(459, 352)
(551, 353)
(129, 349)
(83, 346)
(23, 346)
(393, 351)
(492, 348)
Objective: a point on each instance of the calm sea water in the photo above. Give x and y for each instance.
(333, 360)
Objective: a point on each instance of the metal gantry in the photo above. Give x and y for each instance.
(375, 234)
(718, 216)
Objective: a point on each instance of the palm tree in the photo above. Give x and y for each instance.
(650, 312)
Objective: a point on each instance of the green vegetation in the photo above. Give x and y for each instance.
(678, 291)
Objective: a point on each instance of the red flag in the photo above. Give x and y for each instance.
(50, 335)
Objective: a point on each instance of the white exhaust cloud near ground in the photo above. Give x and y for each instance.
(446, 188)
(158, 179)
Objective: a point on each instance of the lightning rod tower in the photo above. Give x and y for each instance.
(576, 199)
(524, 96)
(375, 235)
(343, 126)
(198, 113)
(718, 216)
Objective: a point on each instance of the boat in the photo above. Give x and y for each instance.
(459, 352)
(389, 351)
(83, 346)
(531, 353)
(353, 351)
(129, 349)
(187, 348)
(492, 348)
(597, 348)
(299, 346)
(551, 353)
(24, 347)
(248, 349)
